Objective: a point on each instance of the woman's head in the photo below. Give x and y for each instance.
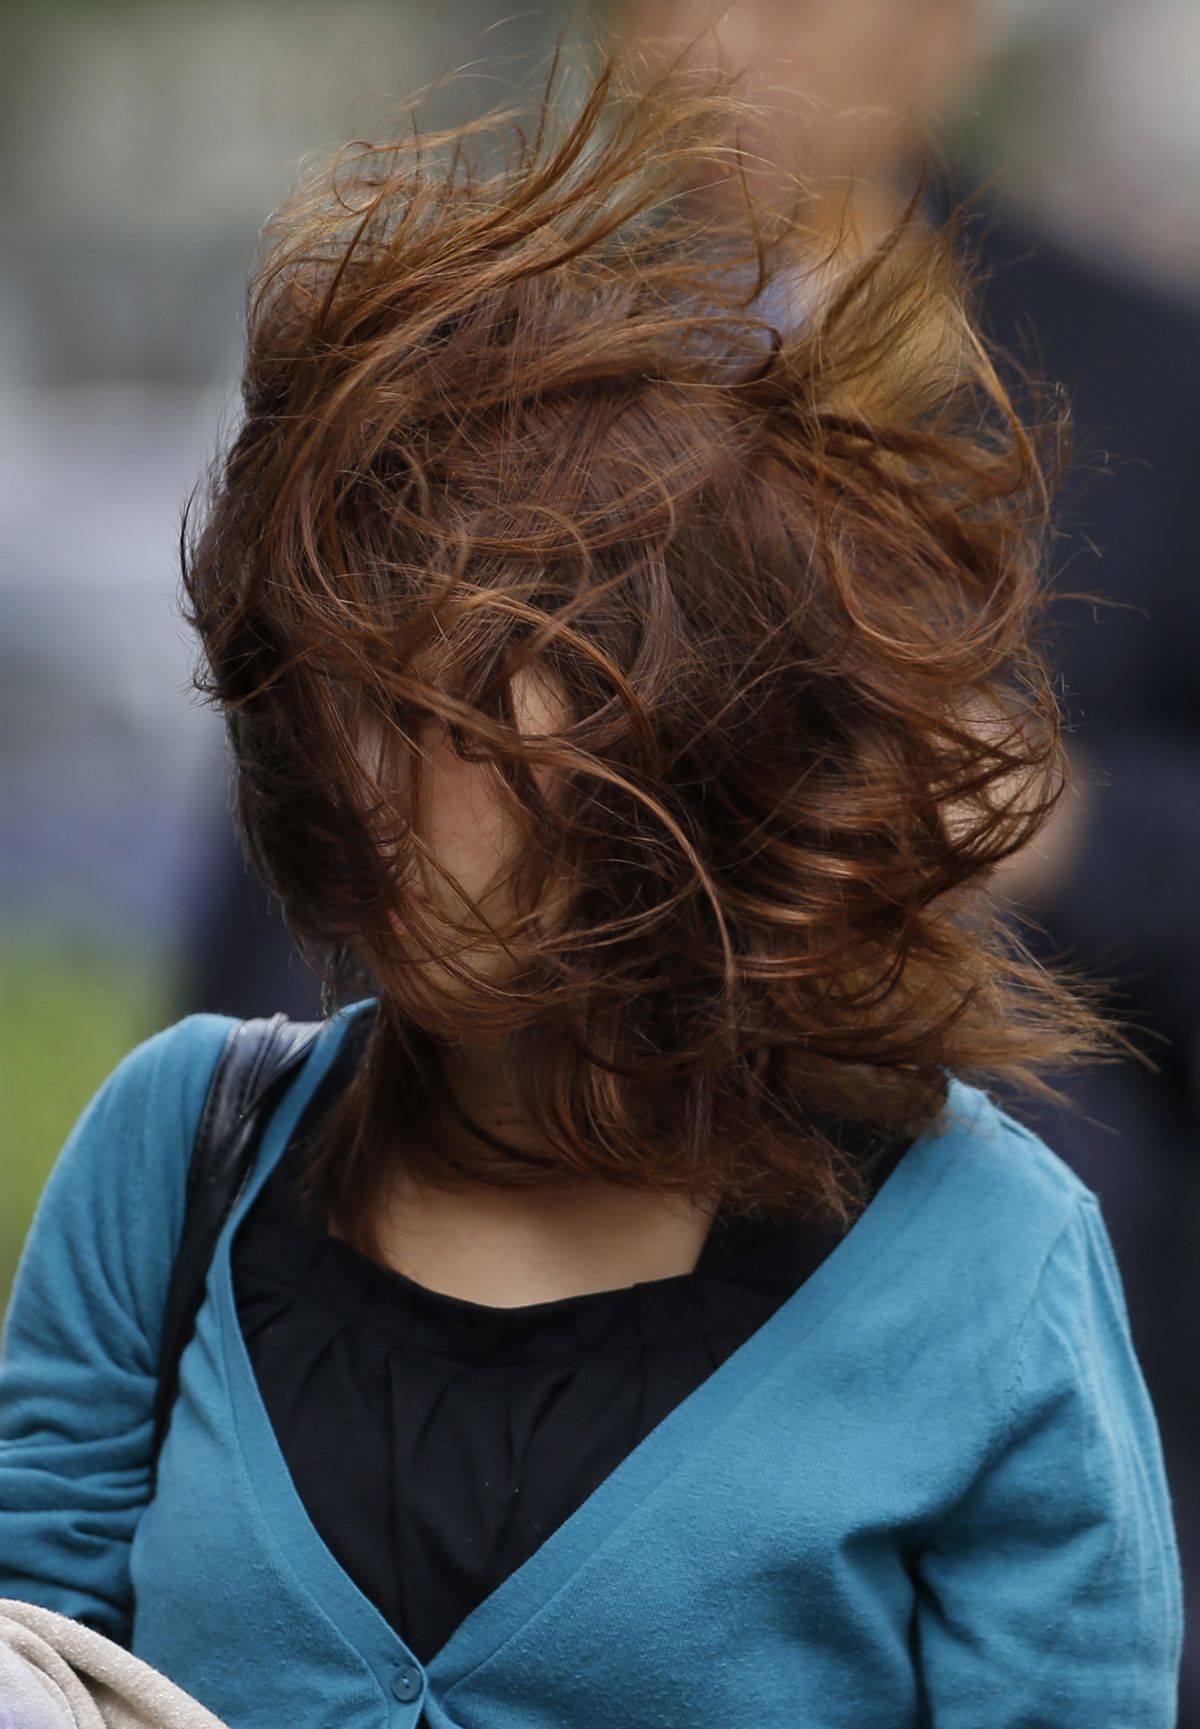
(601, 654)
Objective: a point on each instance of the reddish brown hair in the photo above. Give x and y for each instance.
(511, 402)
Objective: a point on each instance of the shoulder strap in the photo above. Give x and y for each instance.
(258, 1058)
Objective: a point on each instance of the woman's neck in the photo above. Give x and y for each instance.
(476, 1082)
(509, 1247)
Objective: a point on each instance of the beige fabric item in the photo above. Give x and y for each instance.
(55, 1674)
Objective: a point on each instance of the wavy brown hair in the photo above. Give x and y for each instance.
(516, 403)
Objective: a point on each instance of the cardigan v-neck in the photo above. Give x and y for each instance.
(694, 1421)
(928, 1488)
(435, 1441)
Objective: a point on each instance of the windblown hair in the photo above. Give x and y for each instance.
(517, 401)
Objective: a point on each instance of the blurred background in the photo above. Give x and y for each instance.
(141, 146)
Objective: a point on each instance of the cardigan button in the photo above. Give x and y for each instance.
(406, 1683)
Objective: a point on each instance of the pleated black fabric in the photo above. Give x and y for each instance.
(436, 1443)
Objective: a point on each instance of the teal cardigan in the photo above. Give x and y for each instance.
(928, 1490)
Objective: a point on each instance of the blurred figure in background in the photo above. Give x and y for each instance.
(850, 87)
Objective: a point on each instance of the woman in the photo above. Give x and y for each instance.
(638, 1312)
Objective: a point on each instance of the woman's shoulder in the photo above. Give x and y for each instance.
(147, 1113)
(98, 1255)
(998, 1197)
(132, 1141)
(179, 1057)
(993, 1267)
(993, 1149)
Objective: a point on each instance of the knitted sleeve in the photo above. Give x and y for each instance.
(1051, 1596)
(79, 1363)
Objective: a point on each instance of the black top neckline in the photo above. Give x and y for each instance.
(749, 1258)
(759, 1257)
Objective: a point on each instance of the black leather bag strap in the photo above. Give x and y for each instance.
(259, 1057)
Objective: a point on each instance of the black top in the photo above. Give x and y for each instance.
(435, 1442)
